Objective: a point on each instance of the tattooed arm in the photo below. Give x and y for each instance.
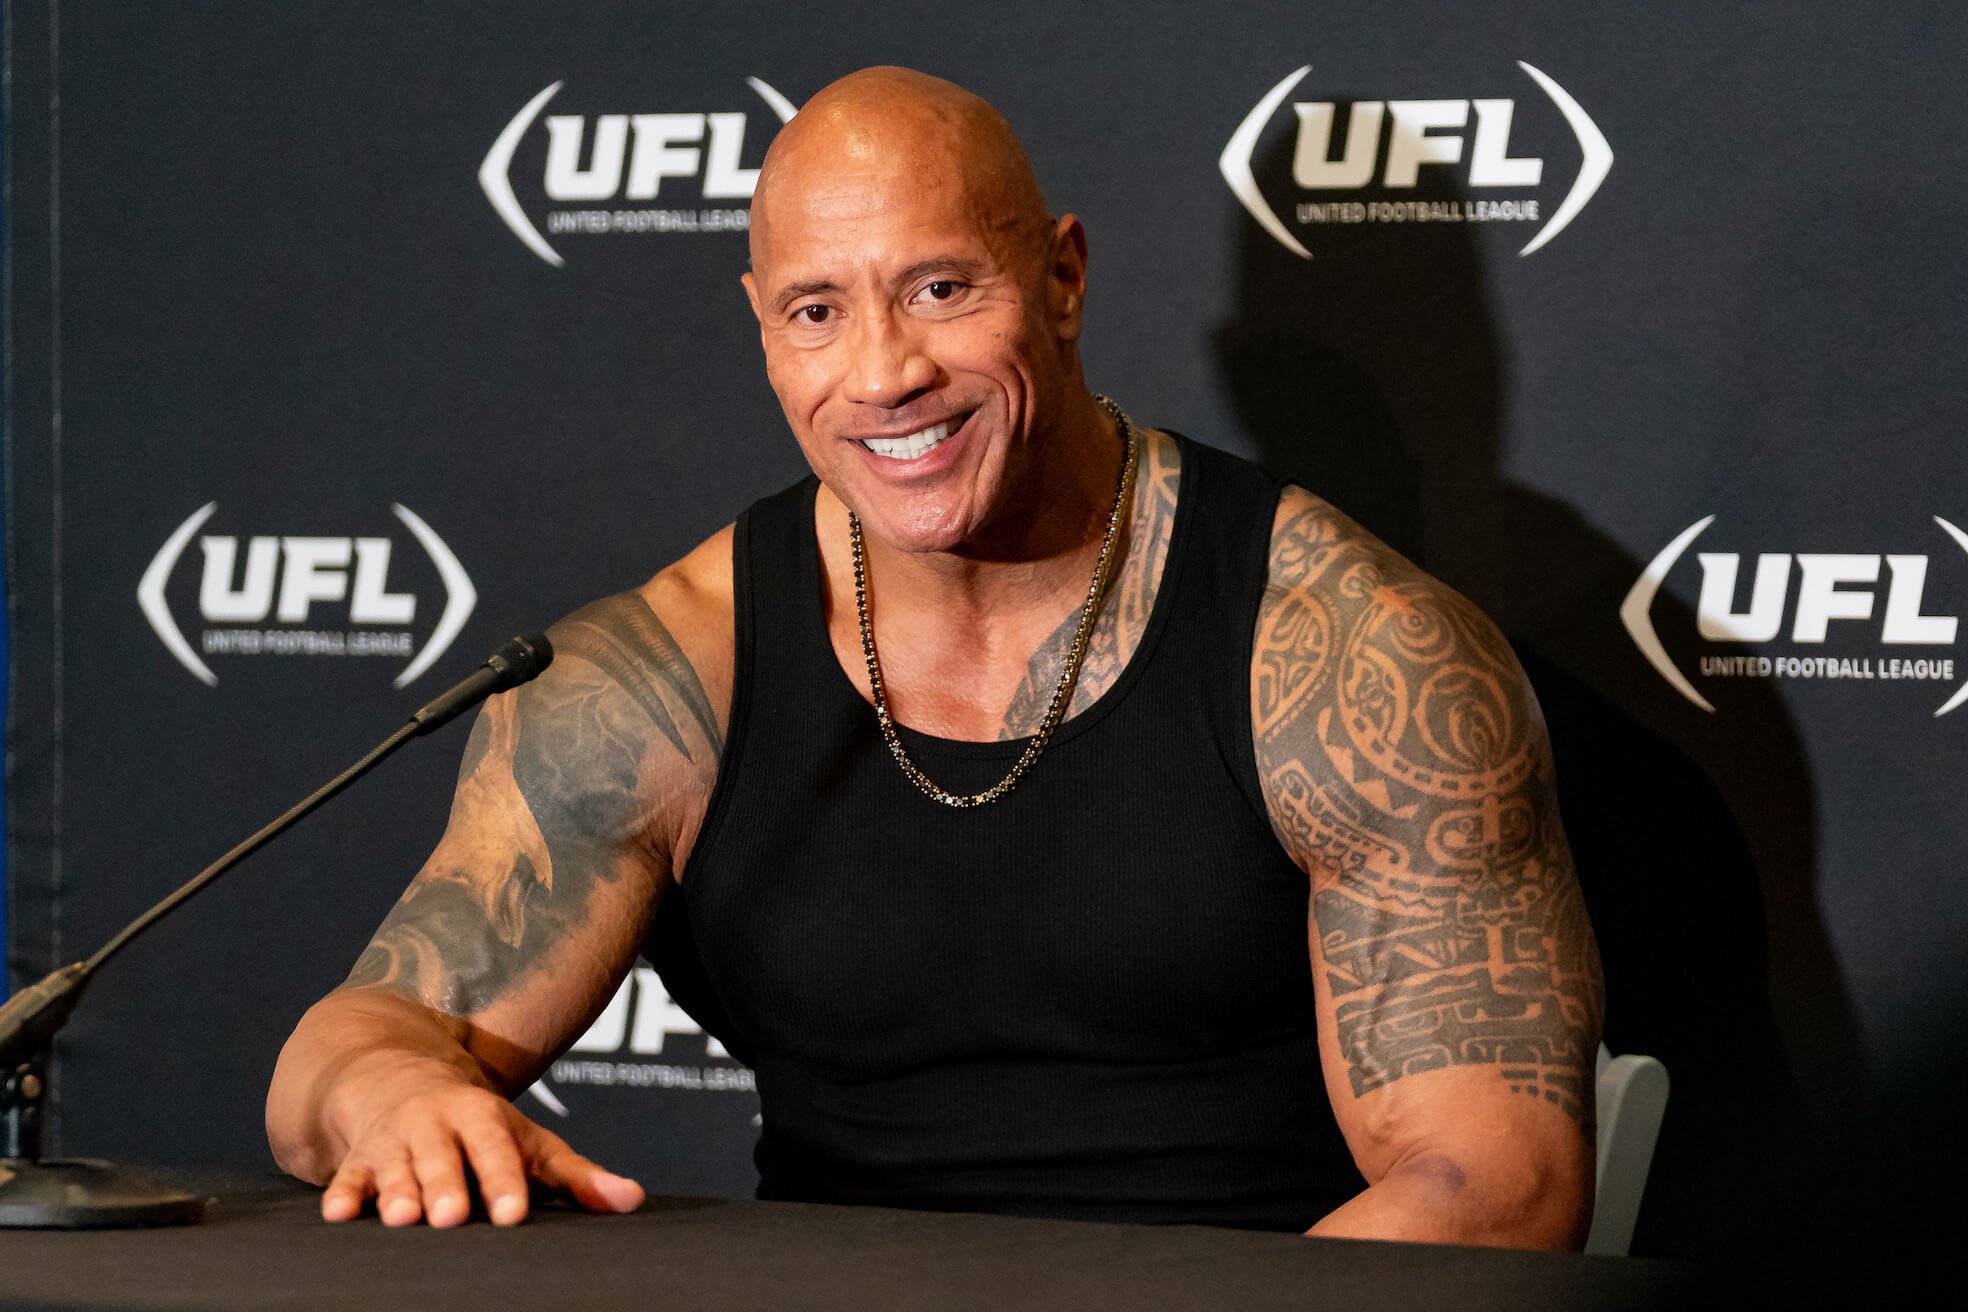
(1406, 770)
(578, 798)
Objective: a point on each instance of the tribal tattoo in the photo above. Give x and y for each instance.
(1124, 611)
(1405, 767)
(553, 804)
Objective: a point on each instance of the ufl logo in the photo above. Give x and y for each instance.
(1374, 173)
(304, 596)
(1798, 604)
(635, 173)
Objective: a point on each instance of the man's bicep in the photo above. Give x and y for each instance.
(1406, 769)
(559, 842)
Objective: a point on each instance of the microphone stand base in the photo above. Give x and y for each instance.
(83, 1194)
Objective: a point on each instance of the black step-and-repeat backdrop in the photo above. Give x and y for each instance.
(344, 340)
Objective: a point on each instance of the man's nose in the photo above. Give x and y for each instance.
(890, 367)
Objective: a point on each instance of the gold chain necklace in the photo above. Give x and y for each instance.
(1062, 695)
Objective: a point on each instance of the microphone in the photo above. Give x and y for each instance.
(515, 663)
(81, 1193)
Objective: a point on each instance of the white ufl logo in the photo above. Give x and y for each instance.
(1417, 133)
(284, 578)
(629, 155)
(1832, 587)
(311, 569)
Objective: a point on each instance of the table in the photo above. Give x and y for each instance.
(262, 1246)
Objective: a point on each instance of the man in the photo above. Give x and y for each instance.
(997, 774)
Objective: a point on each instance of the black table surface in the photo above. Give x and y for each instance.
(263, 1246)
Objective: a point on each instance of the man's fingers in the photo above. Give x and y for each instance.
(399, 1197)
(343, 1198)
(559, 1167)
(501, 1171)
(441, 1176)
(421, 1168)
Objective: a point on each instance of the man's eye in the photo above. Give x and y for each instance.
(814, 314)
(941, 290)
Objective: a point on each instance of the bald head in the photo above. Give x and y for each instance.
(920, 312)
(882, 126)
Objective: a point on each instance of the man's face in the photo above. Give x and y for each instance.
(918, 337)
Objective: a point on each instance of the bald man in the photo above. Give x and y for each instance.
(1069, 819)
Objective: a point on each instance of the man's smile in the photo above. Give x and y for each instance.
(910, 447)
(913, 450)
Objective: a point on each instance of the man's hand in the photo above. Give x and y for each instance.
(417, 1158)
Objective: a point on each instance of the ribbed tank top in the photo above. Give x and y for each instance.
(1090, 999)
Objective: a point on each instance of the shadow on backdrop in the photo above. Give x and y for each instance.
(1852, 326)
(1375, 375)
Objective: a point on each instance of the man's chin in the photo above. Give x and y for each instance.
(919, 520)
(916, 536)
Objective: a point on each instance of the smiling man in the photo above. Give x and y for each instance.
(1069, 819)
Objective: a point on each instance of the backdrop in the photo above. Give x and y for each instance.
(344, 340)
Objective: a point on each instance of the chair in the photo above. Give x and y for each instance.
(1631, 1095)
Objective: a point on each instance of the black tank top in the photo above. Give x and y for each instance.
(1090, 999)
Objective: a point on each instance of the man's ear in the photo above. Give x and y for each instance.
(1066, 276)
(752, 295)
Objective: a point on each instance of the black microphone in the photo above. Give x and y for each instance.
(513, 664)
(80, 1193)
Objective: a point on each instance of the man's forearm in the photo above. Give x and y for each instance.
(355, 1053)
(1438, 1198)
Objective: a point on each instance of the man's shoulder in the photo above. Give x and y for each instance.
(1339, 604)
(655, 660)
(686, 604)
(696, 592)
(1313, 542)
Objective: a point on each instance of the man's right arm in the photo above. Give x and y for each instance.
(578, 797)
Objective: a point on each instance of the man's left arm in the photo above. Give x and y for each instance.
(1406, 769)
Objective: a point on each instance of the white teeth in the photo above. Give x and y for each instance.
(910, 447)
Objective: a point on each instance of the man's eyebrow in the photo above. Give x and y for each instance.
(792, 291)
(958, 265)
